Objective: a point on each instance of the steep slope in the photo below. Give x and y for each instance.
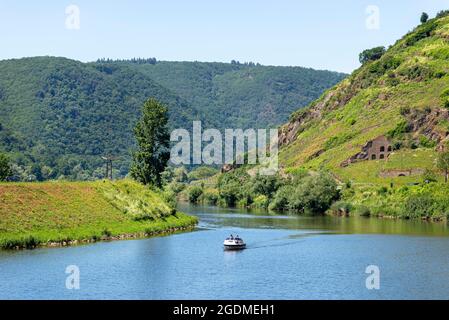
(402, 96)
(240, 95)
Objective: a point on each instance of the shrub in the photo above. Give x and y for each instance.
(393, 82)
(422, 32)
(176, 187)
(265, 185)
(210, 197)
(202, 172)
(442, 13)
(5, 168)
(351, 121)
(337, 140)
(106, 232)
(429, 176)
(362, 211)
(401, 128)
(445, 98)
(280, 200)
(404, 110)
(419, 205)
(341, 208)
(195, 193)
(232, 186)
(383, 66)
(169, 196)
(314, 195)
(426, 142)
(30, 242)
(382, 190)
(261, 201)
(417, 72)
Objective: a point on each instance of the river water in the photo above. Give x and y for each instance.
(288, 257)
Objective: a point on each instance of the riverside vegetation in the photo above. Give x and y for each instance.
(401, 93)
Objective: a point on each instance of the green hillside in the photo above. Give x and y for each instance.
(59, 116)
(55, 213)
(403, 96)
(236, 95)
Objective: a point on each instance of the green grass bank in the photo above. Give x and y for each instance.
(68, 213)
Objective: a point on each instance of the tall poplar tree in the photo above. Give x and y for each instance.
(153, 141)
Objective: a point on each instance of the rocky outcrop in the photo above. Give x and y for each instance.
(426, 122)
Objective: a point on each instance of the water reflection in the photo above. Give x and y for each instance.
(213, 217)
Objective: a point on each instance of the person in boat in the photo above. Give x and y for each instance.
(232, 237)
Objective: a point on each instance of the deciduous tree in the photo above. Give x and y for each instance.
(5, 167)
(153, 141)
(443, 164)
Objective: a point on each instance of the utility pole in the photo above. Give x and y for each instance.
(108, 162)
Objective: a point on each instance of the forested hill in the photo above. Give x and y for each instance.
(58, 116)
(239, 95)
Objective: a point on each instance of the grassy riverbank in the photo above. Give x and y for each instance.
(62, 213)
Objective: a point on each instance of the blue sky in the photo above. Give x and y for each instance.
(319, 34)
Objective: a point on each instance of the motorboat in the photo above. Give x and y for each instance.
(234, 243)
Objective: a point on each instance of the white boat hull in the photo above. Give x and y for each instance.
(235, 247)
(234, 244)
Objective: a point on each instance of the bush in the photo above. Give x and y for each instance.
(5, 168)
(426, 142)
(445, 98)
(429, 176)
(381, 67)
(195, 193)
(265, 185)
(260, 201)
(382, 190)
(401, 128)
(442, 13)
(351, 121)
(341, 208)
(419, 205)
(202, 172)
(169, 196)
(422, 32)
(314, 195)
(362, 211)
(210, 197)
(280, 200)
(404, 110)
(106, 233)
(417, 72)
(336, 141)
(176, 187)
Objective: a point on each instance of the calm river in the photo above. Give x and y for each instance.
(288, 257)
